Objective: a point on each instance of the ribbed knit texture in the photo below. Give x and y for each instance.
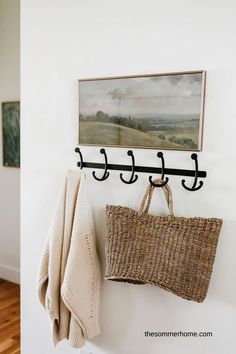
(69, 275)
(174, 253)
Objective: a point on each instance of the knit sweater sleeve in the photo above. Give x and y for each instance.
(50, 265)
(81, 286)
(43, 275)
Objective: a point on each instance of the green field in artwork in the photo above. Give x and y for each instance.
(178, 136)
(11, 134)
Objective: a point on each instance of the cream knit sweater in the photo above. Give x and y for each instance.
(69, 276)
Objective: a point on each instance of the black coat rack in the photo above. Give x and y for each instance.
(144, 169)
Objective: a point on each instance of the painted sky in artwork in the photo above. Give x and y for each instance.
(142, 97)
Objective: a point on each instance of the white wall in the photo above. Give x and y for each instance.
(9, 177)
(66, 40)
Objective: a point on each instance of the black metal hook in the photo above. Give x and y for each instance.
(81, 163)
(194, 188)
(105, 174)
(132, 177)
(160, 155)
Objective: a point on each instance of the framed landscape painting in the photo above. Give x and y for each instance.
(161, 111)
(11, 133)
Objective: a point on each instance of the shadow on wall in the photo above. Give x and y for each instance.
(220, 288)
(116, 312)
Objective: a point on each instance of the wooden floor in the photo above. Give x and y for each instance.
(9, 318)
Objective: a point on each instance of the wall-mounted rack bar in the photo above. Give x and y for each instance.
(144, 169)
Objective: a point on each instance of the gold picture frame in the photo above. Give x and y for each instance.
(155, 111)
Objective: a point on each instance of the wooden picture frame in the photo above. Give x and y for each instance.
(155, 111)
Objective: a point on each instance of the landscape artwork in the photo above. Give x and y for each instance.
(162, 111)
(11, 133)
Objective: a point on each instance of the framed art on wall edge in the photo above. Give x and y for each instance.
(11, 134)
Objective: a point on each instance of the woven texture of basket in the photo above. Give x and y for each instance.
(174, 253)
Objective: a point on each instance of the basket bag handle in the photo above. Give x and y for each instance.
(146, 201)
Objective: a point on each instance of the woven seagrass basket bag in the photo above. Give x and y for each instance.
(174, 253)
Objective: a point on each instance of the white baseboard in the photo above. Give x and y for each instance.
(10, 273)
